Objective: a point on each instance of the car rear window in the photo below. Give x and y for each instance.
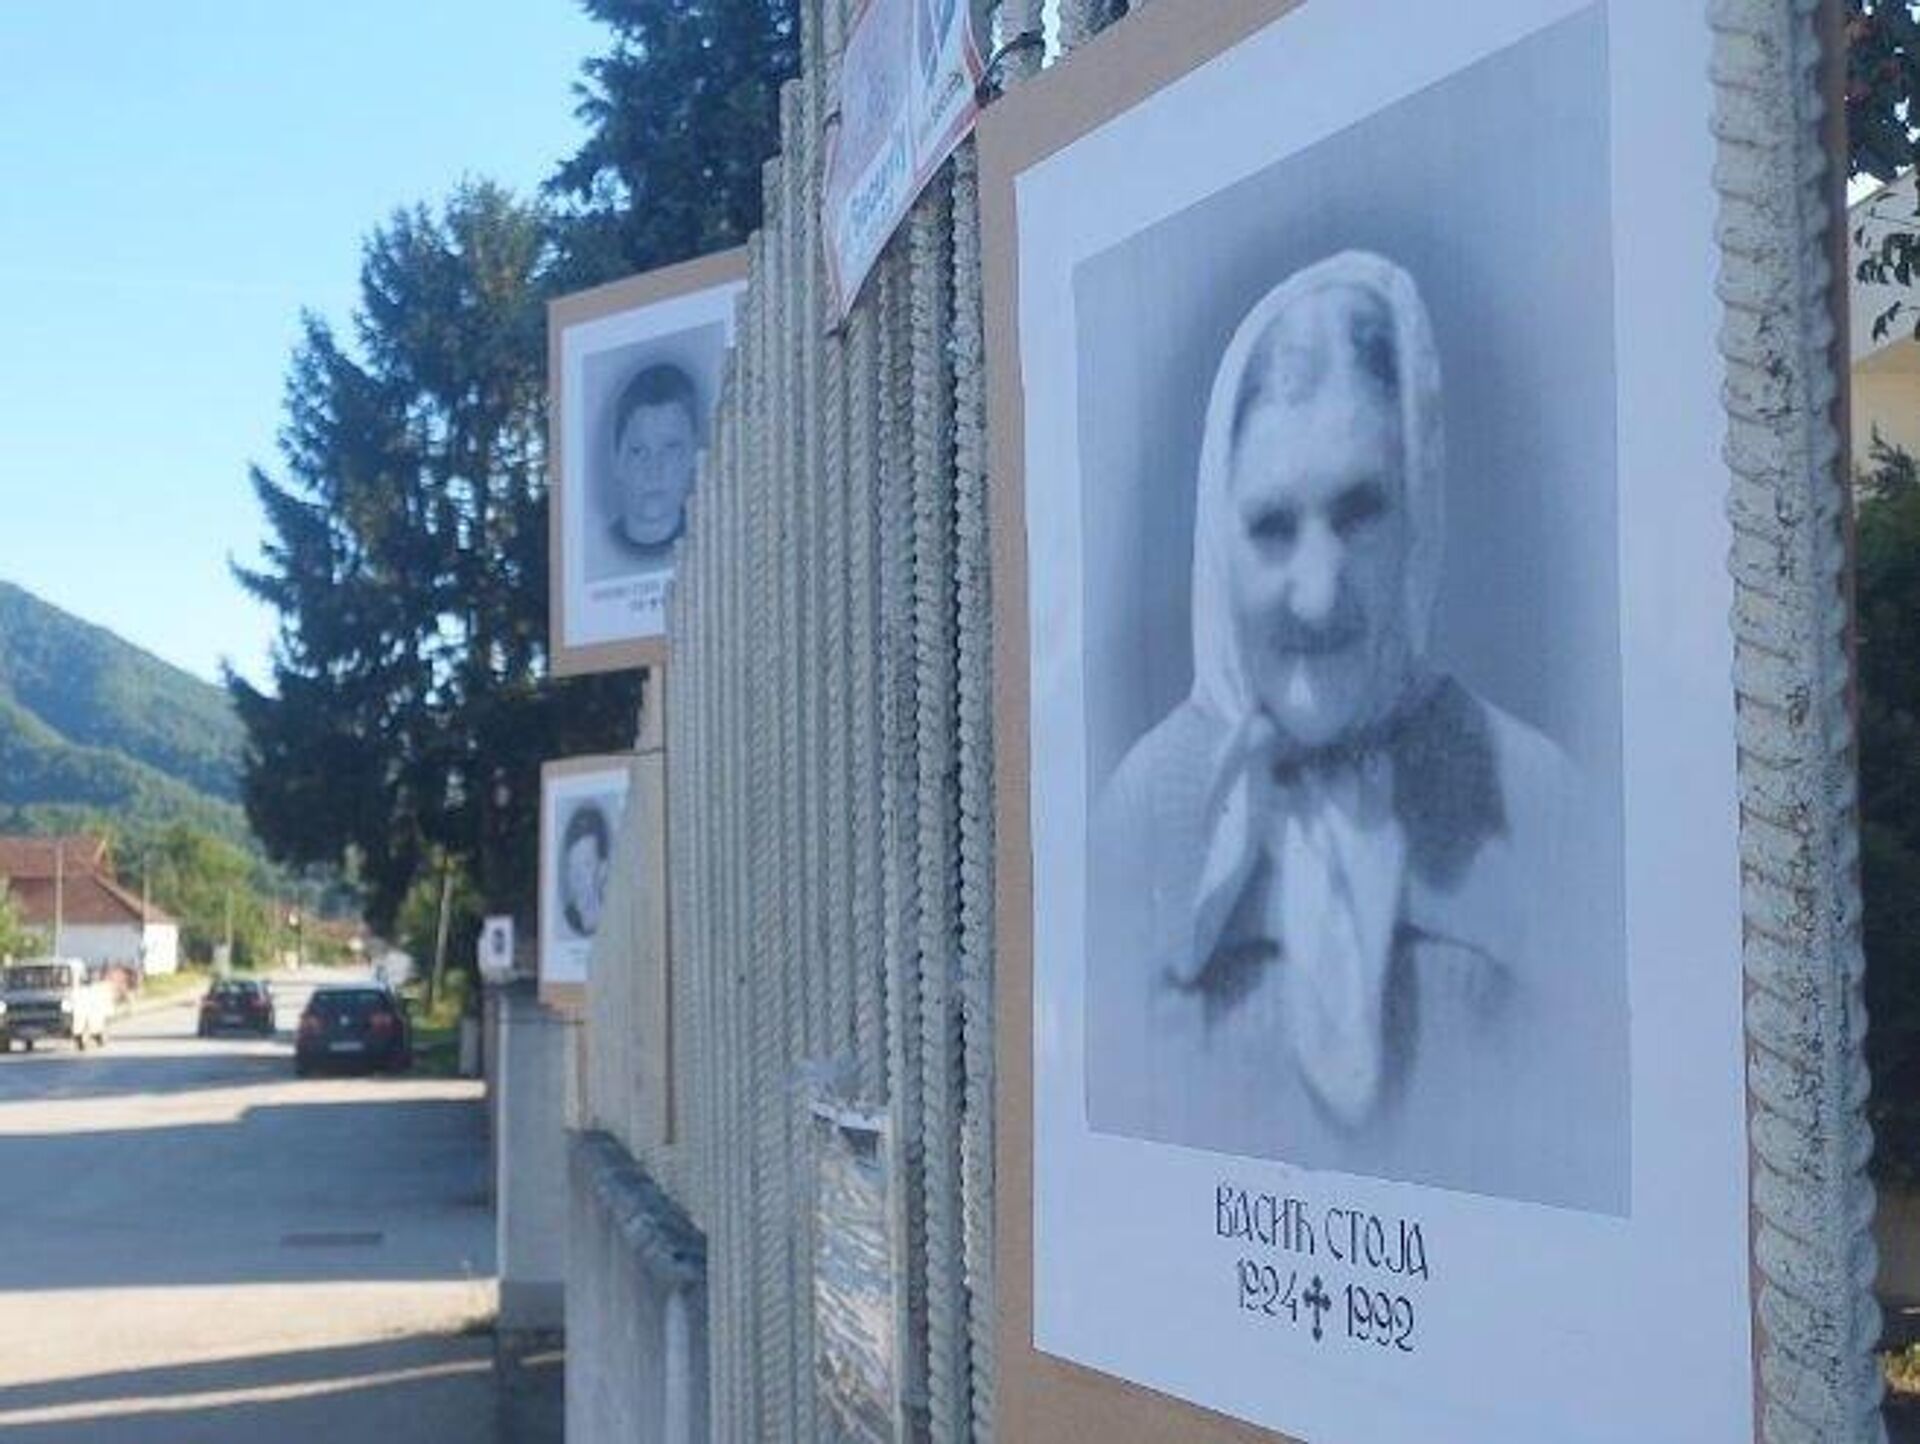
(356, 1002)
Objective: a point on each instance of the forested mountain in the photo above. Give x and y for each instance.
(91, 724)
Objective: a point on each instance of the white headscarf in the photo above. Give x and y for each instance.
(1337, 852)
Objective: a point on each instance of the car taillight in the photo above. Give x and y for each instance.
(309, 1023)
(380, 1022)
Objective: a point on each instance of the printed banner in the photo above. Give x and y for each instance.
(909, 88)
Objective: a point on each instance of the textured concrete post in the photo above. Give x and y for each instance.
(830, 784)
(974, 761)
(1799, 826)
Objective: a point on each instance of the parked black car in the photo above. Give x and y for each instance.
(353, 1026)
(237, 1005)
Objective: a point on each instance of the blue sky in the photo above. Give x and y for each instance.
(177, 181)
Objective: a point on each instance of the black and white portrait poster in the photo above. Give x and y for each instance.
(638, 367)
(583, 805)
(1388, 1074)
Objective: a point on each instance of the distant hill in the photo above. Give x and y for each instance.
(91, 724)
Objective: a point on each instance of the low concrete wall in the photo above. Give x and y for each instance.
(529, 1060)
(636, 1306)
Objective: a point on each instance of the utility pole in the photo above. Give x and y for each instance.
(146, 909)
(59, 895)
(440, 933)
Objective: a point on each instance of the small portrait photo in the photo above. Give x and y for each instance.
(637, 370)
(583, 808)
(1352, 663)
(586, 849)
(651, 409)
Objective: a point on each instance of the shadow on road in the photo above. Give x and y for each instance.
(54, 1072)
(386, 1189)
(433, 1387)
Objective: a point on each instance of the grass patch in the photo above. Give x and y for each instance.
(436, 1030)
(187, 982)
(1902, 1368)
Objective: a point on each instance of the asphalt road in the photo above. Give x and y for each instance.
(197, 1246)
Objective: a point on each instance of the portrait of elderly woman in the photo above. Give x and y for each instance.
(1324, 920)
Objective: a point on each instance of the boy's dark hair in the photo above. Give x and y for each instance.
(587, 821)
(662, 384)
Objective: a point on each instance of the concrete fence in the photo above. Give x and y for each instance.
(828, 736)
(830, 888)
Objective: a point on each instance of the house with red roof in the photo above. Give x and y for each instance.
(64, 888)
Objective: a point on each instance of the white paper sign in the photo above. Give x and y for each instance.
(909, 86)
(582, 810)
(496, 949)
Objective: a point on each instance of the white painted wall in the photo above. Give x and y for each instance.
(121, 944)
(100, 943)
(163, 948)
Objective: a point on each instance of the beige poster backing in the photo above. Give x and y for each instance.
(1042, 1398)
(564, 313)
(1039, 1397)
(652, 1022)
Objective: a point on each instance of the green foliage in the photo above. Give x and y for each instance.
(681, 112)
(418, 922)
(436, 1023)
(203, 881)
(108, 697)
(90, 723)
(1883, 73)
(43, 772)
(16, 940)
(410, 710)
(1887, 601)
(193, 875)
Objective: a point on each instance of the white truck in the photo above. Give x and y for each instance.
(53, 998)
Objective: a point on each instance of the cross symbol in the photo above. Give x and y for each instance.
(1316, 1299)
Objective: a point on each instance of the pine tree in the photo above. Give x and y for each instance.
(408, 563)
(682, 112)
(1887, 598)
